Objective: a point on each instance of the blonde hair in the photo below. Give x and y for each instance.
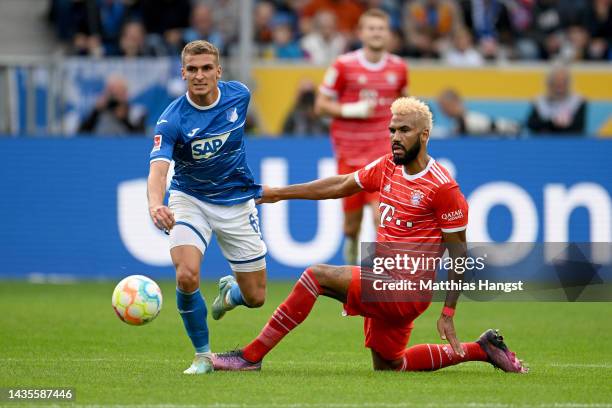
(373, 12)
(198, 47)
(415, 107)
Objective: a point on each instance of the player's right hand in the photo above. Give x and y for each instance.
(162, 217)
(268, 196)
(361, 109)
(446, 329)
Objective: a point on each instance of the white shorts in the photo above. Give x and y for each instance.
(236, 227)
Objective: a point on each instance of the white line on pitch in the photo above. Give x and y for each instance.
(350, 405)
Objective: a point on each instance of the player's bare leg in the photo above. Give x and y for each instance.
(327, 280)
(379, 363)
(191, 306)
(187, 260)
(253, 287)
(247, 288)
(334, 280)
(431, 357)
(352, 226)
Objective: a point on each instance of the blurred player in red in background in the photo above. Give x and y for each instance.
(357, 91)
(423, 205)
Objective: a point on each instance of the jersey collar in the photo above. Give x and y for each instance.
(420, 174)
(212, 105)
(371, 66)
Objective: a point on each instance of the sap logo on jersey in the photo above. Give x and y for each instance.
(206, 148)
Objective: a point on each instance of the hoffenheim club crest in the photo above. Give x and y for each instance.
(231, 115)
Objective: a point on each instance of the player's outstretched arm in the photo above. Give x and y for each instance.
(161, 215)
(457, 248)
(322, 189)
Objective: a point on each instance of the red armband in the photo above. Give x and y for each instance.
(448, 311)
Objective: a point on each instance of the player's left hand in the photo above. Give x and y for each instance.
(446, 328)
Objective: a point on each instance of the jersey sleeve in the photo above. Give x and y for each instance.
(163, 141)
(333, 82)
(246, 98)
(370, 177)
(450, 208)
(243, 93)
(244, 90)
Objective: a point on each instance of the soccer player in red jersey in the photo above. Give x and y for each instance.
(422, 204)
(357, 91)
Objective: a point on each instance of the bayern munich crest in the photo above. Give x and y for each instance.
(416, 196)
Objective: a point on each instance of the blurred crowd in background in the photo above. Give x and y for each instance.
(559, 111)
(460, 32)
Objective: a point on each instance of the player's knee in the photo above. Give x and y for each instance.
(187, 278)
(319, 271)
(322, 273)
(351, 229)
(379, 363)
(255, 298)
(351, 232)
(382, 367)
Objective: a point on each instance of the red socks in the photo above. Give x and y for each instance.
(431, 357)
(299, 303)
(287, 316)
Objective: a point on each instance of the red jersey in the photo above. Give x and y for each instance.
(352, 78)
(417, 207)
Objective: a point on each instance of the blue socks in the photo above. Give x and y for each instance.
(236, 296)
(192, 309)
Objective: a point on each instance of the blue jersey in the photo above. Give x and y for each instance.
(207, 146)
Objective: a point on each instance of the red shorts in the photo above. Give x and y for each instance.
(359, 200)
(387, 325)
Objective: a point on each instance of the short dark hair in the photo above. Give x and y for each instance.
(198, 47)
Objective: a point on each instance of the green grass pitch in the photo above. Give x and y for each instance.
(68, 336)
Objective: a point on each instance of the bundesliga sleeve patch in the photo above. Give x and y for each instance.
(331, 75)
(157, 141)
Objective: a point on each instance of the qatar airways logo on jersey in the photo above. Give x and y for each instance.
(206, 148)
(452, 215)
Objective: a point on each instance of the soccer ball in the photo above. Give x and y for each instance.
(137, 300)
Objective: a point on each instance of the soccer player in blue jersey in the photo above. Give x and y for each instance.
(212, 190)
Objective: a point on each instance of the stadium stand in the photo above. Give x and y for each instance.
(114, 36)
